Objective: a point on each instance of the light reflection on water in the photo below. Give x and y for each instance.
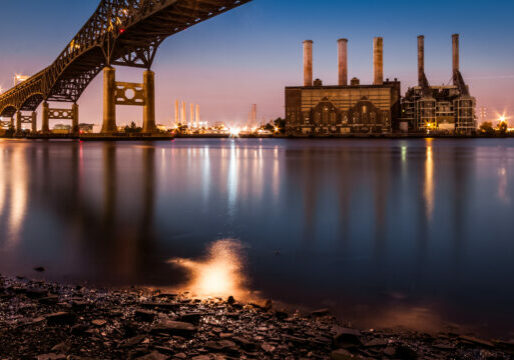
(219, 274)
(385, 231)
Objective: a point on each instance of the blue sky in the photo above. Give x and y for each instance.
(251, 53)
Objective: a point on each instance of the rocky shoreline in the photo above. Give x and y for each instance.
(49, 321)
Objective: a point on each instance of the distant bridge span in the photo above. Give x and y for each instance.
(120, 32)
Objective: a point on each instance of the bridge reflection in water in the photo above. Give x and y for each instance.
(377, 229)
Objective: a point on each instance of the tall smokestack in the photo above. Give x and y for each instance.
(253, 116)
(183, 114)
(421, 59)
(197, 115)
(343, 61)
(456, 65)
(378, 60)
(177, 112)
(307, 62)
(192, 114)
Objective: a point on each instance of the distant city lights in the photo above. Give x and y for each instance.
(20, 78)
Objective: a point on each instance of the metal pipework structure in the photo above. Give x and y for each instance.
(343, 61)
(378, 60)
(307, 63)
(119, 33)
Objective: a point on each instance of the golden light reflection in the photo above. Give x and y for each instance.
(18, 204)
(429, 181)
(425, 319)
(3, 185)
(220, 274)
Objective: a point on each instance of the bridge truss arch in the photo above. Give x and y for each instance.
(120, 32)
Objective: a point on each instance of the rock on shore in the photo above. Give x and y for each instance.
(47, 321)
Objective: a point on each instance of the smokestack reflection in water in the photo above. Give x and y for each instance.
(220, 273)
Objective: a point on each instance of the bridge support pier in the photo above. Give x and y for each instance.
(45, 128)
(125, 93)
(75, 119)
(34, 122)
(61, 114)
(18, 122)
(149, 107)
(109, 120)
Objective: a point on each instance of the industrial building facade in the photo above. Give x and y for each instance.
(336, 110)
(439, 109)
(318, 110)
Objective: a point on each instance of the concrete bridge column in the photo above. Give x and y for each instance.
(18, 122)
(34, 122)
(109, 120)
(45, 128)
(149, 107)
(75, 120)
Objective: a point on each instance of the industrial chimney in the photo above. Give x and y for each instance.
(197, 115)
(177, 112)
(456, 66)
(343, 61)
(378, 60)
(192, 114)
(183, 114)
(307, 62)
(421, 59)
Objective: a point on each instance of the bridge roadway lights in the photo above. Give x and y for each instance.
(115, 93)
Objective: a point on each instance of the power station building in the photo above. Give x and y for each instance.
(447, 108)
(317, 110)
(346, 109)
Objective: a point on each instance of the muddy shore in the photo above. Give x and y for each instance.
(47, 321)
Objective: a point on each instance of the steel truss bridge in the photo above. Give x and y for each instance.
(119, 33)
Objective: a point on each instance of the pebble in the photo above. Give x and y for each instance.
(76, 323)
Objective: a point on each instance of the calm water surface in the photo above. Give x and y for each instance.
(385, 232)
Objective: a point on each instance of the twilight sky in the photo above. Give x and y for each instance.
(251, 53)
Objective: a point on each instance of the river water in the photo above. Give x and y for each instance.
(418, 233)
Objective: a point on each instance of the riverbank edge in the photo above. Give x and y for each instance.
(100, 137)
(48, 321)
